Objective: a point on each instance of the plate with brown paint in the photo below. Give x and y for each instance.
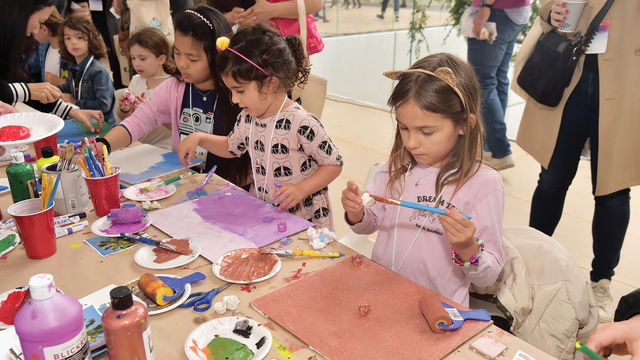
(246, 266)
(153, 257)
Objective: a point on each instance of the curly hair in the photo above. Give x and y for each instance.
(80, 23)
(281, 58)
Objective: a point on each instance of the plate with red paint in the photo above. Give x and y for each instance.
(241, 329)
(147, 258)
(8, 310)
(246, 266)
(28, 127)
(104, 227)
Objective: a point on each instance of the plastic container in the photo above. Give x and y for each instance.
(47, 157)
(19, 173)
(50, 325)
(126, 327)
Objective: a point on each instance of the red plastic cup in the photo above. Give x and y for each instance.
(104, 191)
(35, 227)
(48, 141)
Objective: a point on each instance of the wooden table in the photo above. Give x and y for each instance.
(79, 271)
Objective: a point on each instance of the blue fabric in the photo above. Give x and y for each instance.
(396, 6)
(490, 63)
(611, 215)
(35, 64)
(97, 87)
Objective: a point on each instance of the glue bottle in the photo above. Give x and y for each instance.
(47, 157)
(19, 173)
(51, 324)
(126, 327)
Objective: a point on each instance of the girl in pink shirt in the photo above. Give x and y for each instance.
(293, 159)
(434, 162)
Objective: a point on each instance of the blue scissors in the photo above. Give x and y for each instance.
(202, 301)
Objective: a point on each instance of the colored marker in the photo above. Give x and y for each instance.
(588, 352)
(68, 230)
(89, 165)
(53, 192)
(84, 167)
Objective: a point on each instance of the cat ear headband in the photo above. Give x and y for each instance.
(222, 43)
(443, 73)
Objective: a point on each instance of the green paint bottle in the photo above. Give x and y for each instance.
(19, 174)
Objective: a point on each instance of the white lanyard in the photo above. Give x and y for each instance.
(81, 78)
(215, 103)
(267, 150)
(395, 229)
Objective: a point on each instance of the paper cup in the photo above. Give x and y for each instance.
(35, 227)
(72, 195)
(51, 140)
(104, 191)
(575, 8)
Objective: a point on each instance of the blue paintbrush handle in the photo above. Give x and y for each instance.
(140, 238)
(53, 192)
(427, 208)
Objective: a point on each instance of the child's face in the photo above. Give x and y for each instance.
(76, 43)
(248, 96)
(42, 35)
(145, 62)
(37, 18)
(429, 137)
(192, 61)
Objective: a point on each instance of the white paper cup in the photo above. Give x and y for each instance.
(575, 8)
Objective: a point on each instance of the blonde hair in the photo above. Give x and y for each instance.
(455, 101)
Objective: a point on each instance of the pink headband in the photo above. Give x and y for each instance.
(201, 17)
(223, 44)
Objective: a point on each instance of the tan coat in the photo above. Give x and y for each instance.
(619, 124)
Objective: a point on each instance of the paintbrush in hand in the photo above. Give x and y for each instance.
(411, 205)
(311, 253)
(206, 178)
(160, 244)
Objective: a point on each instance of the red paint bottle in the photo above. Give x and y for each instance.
(126, 327)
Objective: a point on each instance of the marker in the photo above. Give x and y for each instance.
(68, 230)
(588, 352)
(53, 192)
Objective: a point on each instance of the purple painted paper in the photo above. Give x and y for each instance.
(114, 229)
(225, 220)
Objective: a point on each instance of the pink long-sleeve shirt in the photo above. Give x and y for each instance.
(428, 261)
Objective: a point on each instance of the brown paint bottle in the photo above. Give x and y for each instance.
(126, 327)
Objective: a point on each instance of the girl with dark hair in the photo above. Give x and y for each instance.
(19, 21)
(193, 101)
(435, 161)
(89, 84)
(293, 158)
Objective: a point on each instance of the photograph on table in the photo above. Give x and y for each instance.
(106, 246)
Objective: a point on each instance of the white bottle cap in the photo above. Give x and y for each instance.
(42, 287)
(17, 158)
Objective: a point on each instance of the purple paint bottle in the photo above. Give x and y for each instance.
(51, 324)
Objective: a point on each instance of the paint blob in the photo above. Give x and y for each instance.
(10, 306)
(14, 133)
(164, 255)
(115, 229)
(364, 309)
(247, 265)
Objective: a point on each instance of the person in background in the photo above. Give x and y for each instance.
(49, 66)
(396, 9)
(600, 104)
(89, 85)
(19, 22)
(435, 161)
(491, 62)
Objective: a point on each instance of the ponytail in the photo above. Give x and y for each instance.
(296, 47)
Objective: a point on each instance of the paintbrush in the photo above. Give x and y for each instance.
(206, 178)
(311, 253)
(411, 205)
(160, 244)
(167, 181)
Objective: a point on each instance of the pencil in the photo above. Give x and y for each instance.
(588, 352)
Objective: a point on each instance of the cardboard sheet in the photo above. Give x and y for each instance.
(322, 311)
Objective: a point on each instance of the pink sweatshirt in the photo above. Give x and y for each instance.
(163, 106)
(428, 262)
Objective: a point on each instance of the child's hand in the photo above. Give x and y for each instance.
(68, 98)
(352, 203)
(461, 233)
(53, 79)
(288, 195)
(187, 149)
(84, 116)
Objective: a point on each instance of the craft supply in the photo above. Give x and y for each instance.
(311, 253)
(105, 192)
(89, 164)
(488, 347)
(247, 265)
(202, 301)
(19, 173)
(47, 157)
(84, 167)
(13, 301)
(367, 200)
(220, 307)
(52, 194)
(182, 250)
(363, 309)
(442, 316)
(225, 348)
(126, 215)
(107, 164)
(231, 301)
(178, 284)
(92, 158)
(277, 199)
(35, 227)
(67, 230)
(155, 289)
(14, 133)
(51, 323)
(588, 352)
(72, 194)
(282, 226)
(207, 177)
(320, 238)
(167, 181)
(412, 205)
(126, 327)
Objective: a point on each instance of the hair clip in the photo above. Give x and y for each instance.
(201, 17)
(443, 73)
(223, 44)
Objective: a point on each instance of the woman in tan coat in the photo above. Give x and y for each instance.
(601, 104)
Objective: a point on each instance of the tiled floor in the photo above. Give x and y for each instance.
(364, 135)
